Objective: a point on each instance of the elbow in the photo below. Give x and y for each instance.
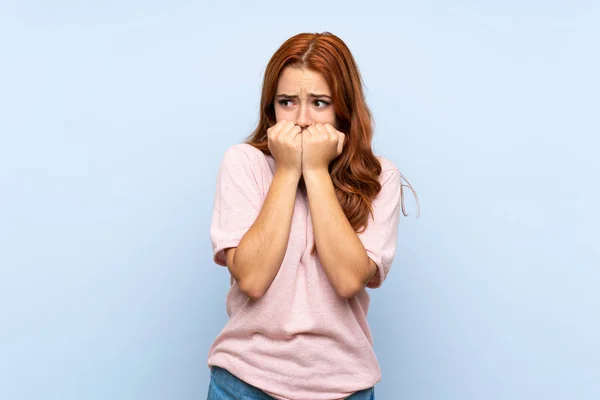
(349, 290)
(252, 290)
(247, 283)
(352, 284)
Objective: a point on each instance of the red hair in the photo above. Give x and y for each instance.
(355, 173)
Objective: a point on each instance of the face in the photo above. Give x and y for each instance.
(303, 97)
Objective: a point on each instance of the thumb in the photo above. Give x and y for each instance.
(340, 145)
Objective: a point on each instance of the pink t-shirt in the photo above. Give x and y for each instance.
(300, 341)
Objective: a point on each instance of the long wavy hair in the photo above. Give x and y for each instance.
(355, 173)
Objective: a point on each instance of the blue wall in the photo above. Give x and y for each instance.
(113, 120)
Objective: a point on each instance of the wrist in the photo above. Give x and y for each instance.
(287, 174)
(315, 173)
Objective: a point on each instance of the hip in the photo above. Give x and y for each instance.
(226, 386)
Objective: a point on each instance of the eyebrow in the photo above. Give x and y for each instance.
(295, 96)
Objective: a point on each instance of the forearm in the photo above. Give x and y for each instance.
(340, 251)
(261, 251)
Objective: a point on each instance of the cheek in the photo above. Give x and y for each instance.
(331, 119)
(281, 114)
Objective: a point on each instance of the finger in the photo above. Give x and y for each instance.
(275, 127)
(331, 129)
(341, 141)
(321, 129)
(286, 131)
(306, 135)
(287, 127)
(280, 126)
(296, 130)
(340, 137)
(292, 130)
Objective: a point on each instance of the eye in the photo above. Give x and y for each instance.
(283, 102)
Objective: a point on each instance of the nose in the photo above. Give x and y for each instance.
(303, 119)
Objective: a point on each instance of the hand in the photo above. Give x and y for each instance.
(321, 144)
(285, 144)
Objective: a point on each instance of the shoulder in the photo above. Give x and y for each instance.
(386, 164)
(246, 155)
(244, 150)
(388, 170)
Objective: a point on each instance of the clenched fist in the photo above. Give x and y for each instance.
(285, 144)
(321, 144)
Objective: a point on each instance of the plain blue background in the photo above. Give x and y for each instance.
(114, 117)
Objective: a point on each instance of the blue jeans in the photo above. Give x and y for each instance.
(226, 386)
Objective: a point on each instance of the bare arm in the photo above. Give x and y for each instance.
(256, 261)
(259, 254)
(340, 250)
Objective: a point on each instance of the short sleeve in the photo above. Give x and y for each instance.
(237, 201)
(379, 237)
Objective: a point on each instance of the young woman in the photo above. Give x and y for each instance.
(305, 218)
